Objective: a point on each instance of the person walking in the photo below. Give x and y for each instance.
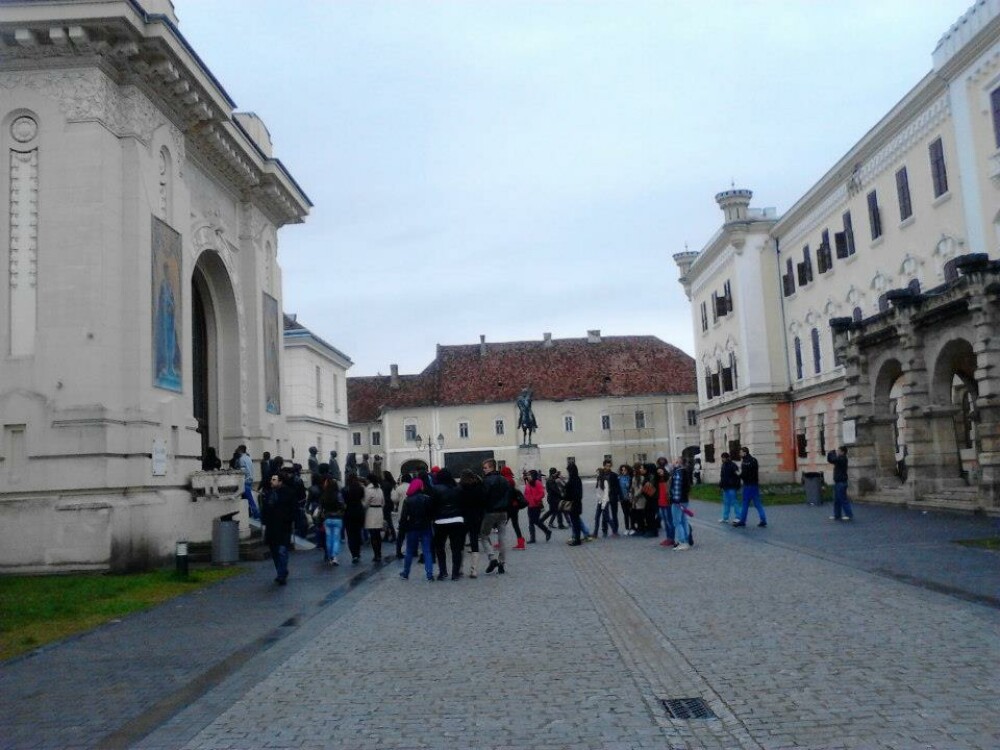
(279, 515)
(661, 481)
(750, 476)
(574, 494)
(602, 514)
(374, 500)
(614, 495)
(842, 510)
(497, 493)
(534, 495)
(449, 525)
(624, 479)
(331, 504)
(643, 493)
(416, 517)
(471, 498)
(398, 498)
(680, 489)
(514, 511)
(387, 486)
(729, 483)
(245, 463)
(553, 496)
(354, 515)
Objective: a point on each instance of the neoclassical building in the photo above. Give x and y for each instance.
(866, 315)
(141, 293)
(314, 389)
(622, 398)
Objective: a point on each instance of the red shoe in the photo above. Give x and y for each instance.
(666, 543)
(520, 543)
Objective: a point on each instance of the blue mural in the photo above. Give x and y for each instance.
(167, 305)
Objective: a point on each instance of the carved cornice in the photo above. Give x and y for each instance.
(141, 55)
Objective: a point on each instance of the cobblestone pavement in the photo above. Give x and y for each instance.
(807, 634)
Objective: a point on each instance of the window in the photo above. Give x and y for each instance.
(837, 359)
(640, 420)
(605, 422)
(903, 191)
(376, 438)
(336, 394)
(814, 335)
(708, 383)
(798, 359)
(640, 457)
(732, 366)
(788, 280)
(356, 438)
(939, 174)
(995, 108)
(874, 217)
(463, 430)
(801, 441)
(805, 267)
(692, 415)
(710, 448)
(734, 444)
(845, 240)
(410, 432)
(824, 255)
(715, 307)
(727, 296)
(319, 387)
(498, 427)
(821, 433)
(607, 457)
(857, 315)
(568, 423)
(704, 317)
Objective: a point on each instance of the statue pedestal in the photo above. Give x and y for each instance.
(528, 457)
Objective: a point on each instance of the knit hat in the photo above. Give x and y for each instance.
(415, 486)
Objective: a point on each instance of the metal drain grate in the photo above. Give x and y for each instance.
(687, 708)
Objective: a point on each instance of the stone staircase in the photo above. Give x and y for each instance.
(953, 495)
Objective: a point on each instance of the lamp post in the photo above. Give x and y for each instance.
(430, 447)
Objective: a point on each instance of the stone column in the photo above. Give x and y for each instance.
(858, 407)
(924, 427)
(986, 323)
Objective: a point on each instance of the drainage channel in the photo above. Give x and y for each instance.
(146, 722)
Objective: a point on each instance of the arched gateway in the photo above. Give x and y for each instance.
(923, 390)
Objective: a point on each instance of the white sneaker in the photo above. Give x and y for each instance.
(723, 520)
(682, 546)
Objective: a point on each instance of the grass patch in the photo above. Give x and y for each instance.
(35, 610)
(770, 494)
(990, 543)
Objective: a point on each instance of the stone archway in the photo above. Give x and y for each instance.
(215, 355)
(954, 388)
(888, 421)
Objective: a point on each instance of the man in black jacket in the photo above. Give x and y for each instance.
(749, 475)
(496, 500)
(280, 507)
(842, 510)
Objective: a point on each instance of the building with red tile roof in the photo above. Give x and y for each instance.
(619, 396)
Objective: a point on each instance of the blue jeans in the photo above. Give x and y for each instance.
(279, 553)
(248, 494)
(333, 527)
(751, 494)
(841, 505)
(730, 502)
(667, 521)
(681, 535)
(424, 539)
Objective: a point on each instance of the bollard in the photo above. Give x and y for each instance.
(181, 559)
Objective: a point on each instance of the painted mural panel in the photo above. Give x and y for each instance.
(167, 305)
(272, 384)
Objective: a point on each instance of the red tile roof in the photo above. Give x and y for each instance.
(567, 368)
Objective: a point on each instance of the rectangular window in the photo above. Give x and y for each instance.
(727, 295)
(704, 316)
(821, 434)
(715, 307)
(692, 415)
(710, 452)
(336, 394)
(640, 457)
(837, 361)
(498, 427)
(848, 235)
(816, 351)
(805, 267)
(410, 432)
(608, 457)
(788, 280)
(463, 430)
(995, 108)
(640, 420)
(376, 438)
(903, 191)
(732, 366)
(798, 358)
(802, 443)
(605, 422)
(727, 379)
(939, 174)
(568, 423)
(356, 438)
(874, 217)
(319, 387)
(708, 384)
(824, 256)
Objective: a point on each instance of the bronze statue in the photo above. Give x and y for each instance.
(525, 416)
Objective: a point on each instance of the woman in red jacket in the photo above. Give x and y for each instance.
(534, 494)
(513, 512)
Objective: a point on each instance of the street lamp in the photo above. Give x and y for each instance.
(430, 447)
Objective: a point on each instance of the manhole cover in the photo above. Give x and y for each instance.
(687, 708)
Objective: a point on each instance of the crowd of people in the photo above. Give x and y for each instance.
(450, 522)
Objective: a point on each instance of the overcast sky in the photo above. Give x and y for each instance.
(509, 168)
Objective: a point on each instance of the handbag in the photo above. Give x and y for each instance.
(565, 506)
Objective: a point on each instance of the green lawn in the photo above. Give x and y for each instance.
(35, 610)
(990, 543)
(770, 494)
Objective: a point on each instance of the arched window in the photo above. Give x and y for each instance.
(914, 286)
(817, 361)
(798, 358)
(856, 315)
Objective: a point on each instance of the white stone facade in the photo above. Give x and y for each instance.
(119, 149)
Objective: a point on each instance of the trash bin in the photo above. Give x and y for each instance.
(813, 481)
(225, 540)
